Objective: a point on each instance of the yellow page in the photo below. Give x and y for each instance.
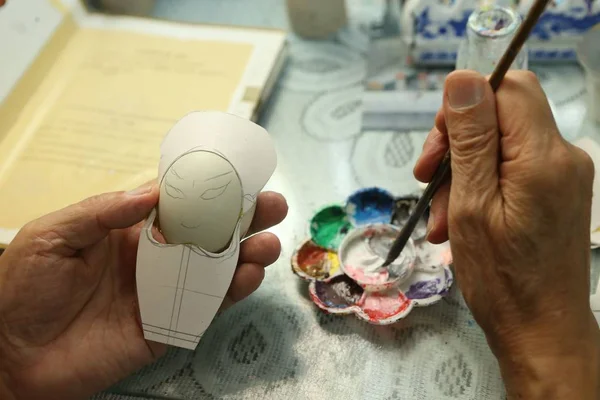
(96, 122)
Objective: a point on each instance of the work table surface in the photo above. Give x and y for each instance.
(276, 344)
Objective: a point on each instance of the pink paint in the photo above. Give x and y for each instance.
(380, 306)
(433, 255)
(362, 253)
(447, 257)
(369, 233)
(359, 275)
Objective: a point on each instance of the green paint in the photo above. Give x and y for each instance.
(329, 226)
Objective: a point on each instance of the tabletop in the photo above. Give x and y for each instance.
(276, 344)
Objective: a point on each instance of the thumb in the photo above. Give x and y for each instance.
(89, 221)
(472, 125)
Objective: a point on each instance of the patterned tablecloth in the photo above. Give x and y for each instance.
(276, 344)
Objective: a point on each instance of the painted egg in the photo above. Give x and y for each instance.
(200, 201)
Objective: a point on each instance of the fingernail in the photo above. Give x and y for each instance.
(429, 224)
(465, 92)
(144, 189)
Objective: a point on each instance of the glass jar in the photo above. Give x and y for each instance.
(316, 19)
(489, 33)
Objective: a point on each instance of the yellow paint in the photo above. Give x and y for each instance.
(90, 114)
(334, 263)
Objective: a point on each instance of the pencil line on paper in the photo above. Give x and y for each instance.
(175, 298)
(187, 266)
(195, 291)
(173, 337)
(169, 330)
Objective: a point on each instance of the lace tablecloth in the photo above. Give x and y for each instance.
(276, 344)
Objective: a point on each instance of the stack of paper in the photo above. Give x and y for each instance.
(87, 98)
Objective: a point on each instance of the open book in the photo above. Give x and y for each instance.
(86, 98)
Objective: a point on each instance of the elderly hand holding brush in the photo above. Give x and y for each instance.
(517, 214)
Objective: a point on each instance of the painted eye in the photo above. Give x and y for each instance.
(210, 194)
(174, 192)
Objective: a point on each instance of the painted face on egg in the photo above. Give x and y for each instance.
(200, 201)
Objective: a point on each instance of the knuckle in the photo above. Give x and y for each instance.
(472, 139)
(528, 77)
(95, 203)
(523, 77)
(30, 229)
(519, 87)
(46, 242)
(436, 143)
(587, 166)
(469, 213)
(559, 171)
(39, 239)
(91, 201)
(564, 162)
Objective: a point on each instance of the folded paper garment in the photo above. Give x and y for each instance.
(212, 167)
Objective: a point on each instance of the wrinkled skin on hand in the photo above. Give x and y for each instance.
(69, 318)
(517, 213)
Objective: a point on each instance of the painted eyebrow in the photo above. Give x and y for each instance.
(175, 173)
(218, 176)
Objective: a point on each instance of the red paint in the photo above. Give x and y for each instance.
(369, 233)
(312, 260)
(310, 253)
(316, 299)
(380, 306)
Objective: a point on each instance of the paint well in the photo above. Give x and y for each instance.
(329, 227)
(402, 208)
(313, 261)
(339, 292)
(363, 252)
(430, 257)
(370, 206)
(424, 289)
(384, 305)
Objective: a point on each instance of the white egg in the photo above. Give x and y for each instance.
(200, 201)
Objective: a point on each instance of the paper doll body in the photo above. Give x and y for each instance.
(185, 296)
(181, 286)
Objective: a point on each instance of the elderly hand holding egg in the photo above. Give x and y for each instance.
(68, 296)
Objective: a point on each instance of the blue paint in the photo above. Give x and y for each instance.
(423, 289)
(449, 281)
(449, 278)
(370, 206)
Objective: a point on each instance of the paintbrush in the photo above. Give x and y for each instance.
(443, 169)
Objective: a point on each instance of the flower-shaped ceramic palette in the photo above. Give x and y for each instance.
(348, 243)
